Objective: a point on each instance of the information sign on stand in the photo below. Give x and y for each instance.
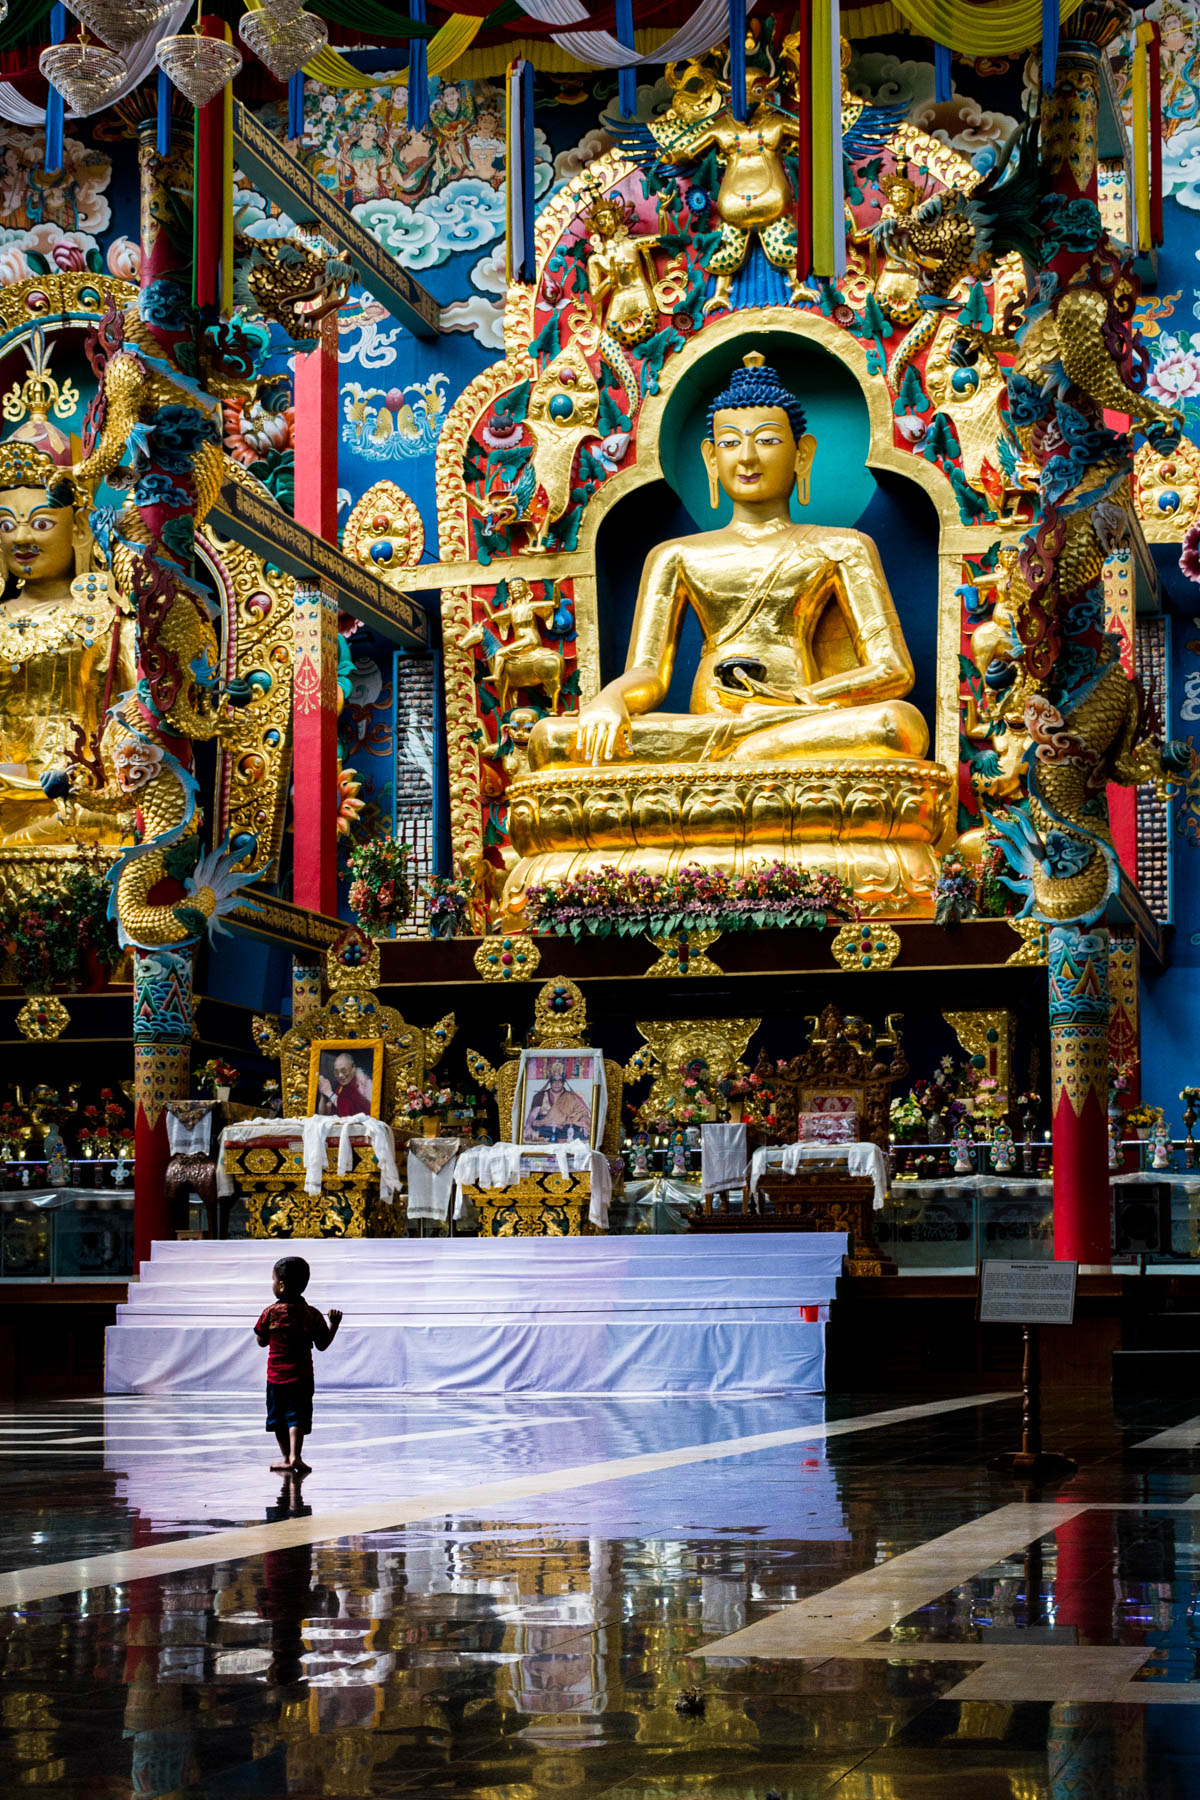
(1029, 1294)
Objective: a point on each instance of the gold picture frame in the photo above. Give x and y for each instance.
(323, 1055)
(567, 1090)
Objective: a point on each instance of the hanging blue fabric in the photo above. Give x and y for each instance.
(943, 81)
(162, 116)
(626, 78)
(418, 71)
(296, 105)
(737, 59)
(529, 257)
(54, 100)
(1049, 44)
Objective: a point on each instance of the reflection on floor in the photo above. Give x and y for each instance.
(509, 1600)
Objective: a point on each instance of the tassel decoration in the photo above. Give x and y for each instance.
(804, 157)
(943, 81)
(1156, 135)
(1050, 15)
(54, 100)
(418, 71)
(162, 117)
(519, 247)
(737, 59)
(626, 78)
(828, 176)
(1141, 229)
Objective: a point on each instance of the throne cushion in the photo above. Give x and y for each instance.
(874, 824)
(827, 1128)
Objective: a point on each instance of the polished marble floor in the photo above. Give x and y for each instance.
(512, 1600)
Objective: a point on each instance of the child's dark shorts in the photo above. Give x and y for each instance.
(290, 1407)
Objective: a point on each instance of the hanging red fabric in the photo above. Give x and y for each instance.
(209, 186)
(804, 179)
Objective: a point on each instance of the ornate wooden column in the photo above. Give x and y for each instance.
(314, 739)
(314, 880)
(162, 978)
(1079, 1094)
(162, 1049)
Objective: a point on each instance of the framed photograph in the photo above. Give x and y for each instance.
(561, 1098)
(345, 1076)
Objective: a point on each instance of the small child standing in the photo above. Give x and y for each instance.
(288, 1330)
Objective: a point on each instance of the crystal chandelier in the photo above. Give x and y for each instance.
(120, 23)
(283, 37)
(86, 75)
(198, 66)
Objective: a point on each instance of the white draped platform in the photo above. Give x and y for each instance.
(628, 1315)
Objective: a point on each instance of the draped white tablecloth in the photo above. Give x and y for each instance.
(722, 1157)
(860, 1159)
(431, 1164)
(313, 1135)
(499, 1166)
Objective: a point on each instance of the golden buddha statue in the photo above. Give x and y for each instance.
(66, 652)
(798, 745)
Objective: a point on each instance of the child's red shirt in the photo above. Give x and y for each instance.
(291, 1328)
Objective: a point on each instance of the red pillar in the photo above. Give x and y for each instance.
(316, 434)
(314, 702)
(1079, 1070)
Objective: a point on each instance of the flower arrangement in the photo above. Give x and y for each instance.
(1143, 1117)
(213, 1075)
(625, 902)
(955, 894)
(380, 893)
(907, 1119)
(449, 899)
(105, 1131)
(57, 937)
(426, 1100)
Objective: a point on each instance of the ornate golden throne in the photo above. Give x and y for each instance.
(545, 1204)
(269, 1168)
(847, 1068)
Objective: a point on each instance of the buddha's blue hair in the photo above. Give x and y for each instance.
(758, 387)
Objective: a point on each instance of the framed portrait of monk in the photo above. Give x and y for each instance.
(561, 1098)
(345, 1076)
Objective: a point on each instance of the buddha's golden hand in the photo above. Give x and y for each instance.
(604, 732)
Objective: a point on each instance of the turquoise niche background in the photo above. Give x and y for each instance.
(842, 486)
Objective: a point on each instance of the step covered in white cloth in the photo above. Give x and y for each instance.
(550, 1315)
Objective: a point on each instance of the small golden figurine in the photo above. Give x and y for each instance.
(523, 661)
(620, 270)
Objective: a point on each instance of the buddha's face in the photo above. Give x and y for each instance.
(36, 539)
(755, 454)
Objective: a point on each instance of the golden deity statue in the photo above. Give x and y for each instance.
(66, 653)
(755, 198)
(621, 277)
(798, 744)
